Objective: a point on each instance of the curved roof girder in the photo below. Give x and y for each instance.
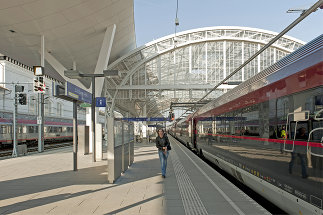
(131, 63)
(133, 70)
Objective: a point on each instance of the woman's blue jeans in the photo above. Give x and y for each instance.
(163, 161)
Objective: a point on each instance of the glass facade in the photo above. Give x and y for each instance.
(185, 67)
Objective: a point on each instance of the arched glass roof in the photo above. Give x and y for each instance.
(185, 67)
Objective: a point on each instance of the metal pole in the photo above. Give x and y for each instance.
(14, 152)
(40, 122)
(93, 118)
(41, 101)
(75, 139)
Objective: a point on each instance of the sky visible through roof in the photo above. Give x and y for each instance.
(156, 18)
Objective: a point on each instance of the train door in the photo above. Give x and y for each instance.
(194, 133)
(295, 121)
(315, 141)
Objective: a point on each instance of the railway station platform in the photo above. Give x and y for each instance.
(45, 184)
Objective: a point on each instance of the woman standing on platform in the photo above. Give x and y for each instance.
(163, 145)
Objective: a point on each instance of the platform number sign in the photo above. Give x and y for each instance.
(100, 102)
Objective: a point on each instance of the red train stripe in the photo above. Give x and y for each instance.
(306, 79)
(296, 142)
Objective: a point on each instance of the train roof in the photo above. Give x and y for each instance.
(265, 77)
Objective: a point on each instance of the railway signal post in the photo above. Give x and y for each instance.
(18, 89)
(39, 87)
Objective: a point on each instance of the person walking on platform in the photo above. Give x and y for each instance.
(163, 145)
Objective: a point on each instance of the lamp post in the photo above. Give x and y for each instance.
(75, 74)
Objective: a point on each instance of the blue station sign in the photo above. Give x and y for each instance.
(74, 92)
(151, 119)
(100, 102)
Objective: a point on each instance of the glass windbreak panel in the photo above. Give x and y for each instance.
(131, 132)
(117, 133)
(126, 133)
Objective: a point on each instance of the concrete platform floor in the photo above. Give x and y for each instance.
(45, 184)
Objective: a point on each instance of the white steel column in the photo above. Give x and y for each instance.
(258, 58)
(104, 57)
(130, 91)
(144, 127)
(88, 123)
(242, 58)
(206, 73)
(159, 69)
(101, 64)
(275, 55)
(224, 59)
(190, 62)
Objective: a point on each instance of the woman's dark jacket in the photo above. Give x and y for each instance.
(162, 142)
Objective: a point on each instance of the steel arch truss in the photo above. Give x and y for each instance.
(183, 68)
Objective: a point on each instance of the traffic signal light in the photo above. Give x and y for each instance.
(36, 85)
(22, 98)
(39, 85)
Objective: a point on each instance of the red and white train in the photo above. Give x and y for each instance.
(268, 131)
(56, 129)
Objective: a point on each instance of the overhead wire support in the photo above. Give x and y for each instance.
(299, 19)
(176, 21)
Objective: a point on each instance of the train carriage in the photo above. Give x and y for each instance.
(268, 131)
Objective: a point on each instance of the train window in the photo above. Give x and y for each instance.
(59, 129)
(4, 129)
(273, 132)
(46, 129)
(19, 128)
(318, 134)
(36, 129)
(64, 129)
(251, 120)
(30, 129)
(282, 107)
(50, 129)
(69, 129)
(318, 102)
(24, 129)
(9, 129)
(299, 126)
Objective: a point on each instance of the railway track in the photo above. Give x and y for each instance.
(8, 153)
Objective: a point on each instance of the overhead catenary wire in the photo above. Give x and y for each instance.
(299, 19)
